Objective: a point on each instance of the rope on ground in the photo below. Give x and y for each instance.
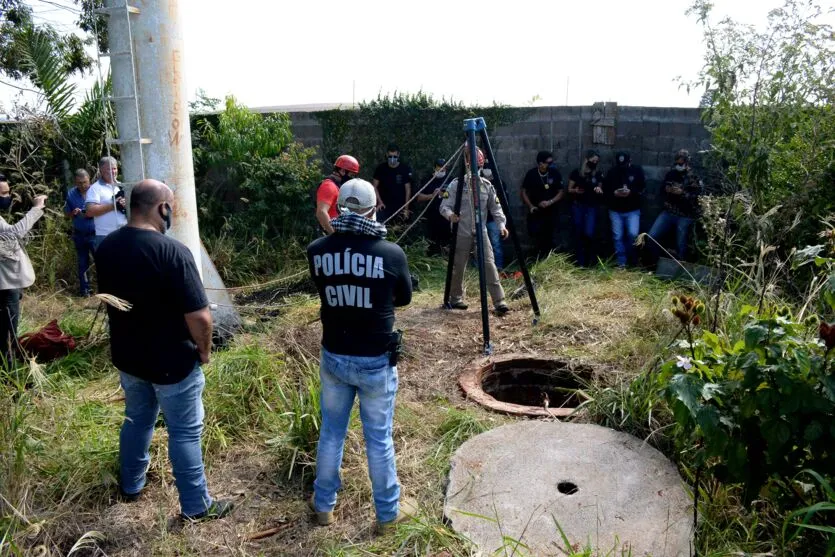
(429, 204)
(256, 286)
(405, 205)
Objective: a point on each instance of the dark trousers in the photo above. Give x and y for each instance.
(9, 314)
(439, 233)
(585, 221)
(85, 246)
(541, 225)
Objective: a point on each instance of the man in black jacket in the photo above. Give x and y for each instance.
(623, 188)
(682, 188)
(361, 278)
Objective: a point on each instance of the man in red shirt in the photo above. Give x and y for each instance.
(345, 168)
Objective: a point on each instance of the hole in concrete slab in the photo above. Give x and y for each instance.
(523, 385)
(568, 488)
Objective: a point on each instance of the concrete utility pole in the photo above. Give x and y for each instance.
(150, 100)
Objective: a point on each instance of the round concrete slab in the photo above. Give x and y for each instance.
(603, 488)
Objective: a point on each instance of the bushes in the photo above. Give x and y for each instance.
(252, 179)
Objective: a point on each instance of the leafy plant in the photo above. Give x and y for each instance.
(768, 104)
(757, 408)
(251, 175)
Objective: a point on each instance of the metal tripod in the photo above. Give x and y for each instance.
(473, 126)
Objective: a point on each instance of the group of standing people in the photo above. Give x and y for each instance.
(158, 278)
(620, 191)
(96, 210)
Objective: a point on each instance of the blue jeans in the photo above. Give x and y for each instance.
(625, 228)
(375, 382)
(182, 407)
(97, 240)
(663, 224)
(496, 242)
(585, 220)
(84, 246)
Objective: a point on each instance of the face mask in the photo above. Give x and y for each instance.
(5, 202)
(621, 161)
(591, 165)
(346, 178)
(487, 173)
(393, 160)
(552, 166)
(680, 167)
(166, 216)
(440, 173)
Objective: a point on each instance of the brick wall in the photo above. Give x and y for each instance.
(652, 135)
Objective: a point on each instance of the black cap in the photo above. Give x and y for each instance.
(392, 147)
(440, 162)
(592, 153)
(543, 156)
(623, 157)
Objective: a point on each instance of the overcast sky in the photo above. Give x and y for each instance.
(270, 53)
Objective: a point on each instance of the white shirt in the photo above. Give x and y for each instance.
(102, 193)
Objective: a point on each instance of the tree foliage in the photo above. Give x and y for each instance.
(768, 104)
(18, 31)
(253, 179)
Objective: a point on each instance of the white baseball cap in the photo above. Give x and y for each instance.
(357, 195)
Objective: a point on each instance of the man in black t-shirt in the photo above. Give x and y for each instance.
(158, 345)
(393, 184)
(682, 188)
(361, 278)
(541, 190)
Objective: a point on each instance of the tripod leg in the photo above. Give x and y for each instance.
(511, 227)
(454, 239)
(475, 187)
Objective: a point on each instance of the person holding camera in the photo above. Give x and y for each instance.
(105, 201)
(83, 229)
(682, 188)
(360, 278)
(16, 270)
(623, 188)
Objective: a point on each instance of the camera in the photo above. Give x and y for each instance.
(120, 195)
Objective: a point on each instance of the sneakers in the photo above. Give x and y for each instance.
(408, 510)
(458, 305)
(502, 309)
(323, 518)
(218, 509)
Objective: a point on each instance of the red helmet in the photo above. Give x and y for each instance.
(349, 163)
(479, 155)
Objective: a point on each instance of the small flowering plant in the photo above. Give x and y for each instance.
(756, 407)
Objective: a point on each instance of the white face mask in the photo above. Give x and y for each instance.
(440, 173)
(680, 167)
(487, 173)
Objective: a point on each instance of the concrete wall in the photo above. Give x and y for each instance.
(651, 134)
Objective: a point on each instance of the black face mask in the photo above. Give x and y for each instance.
(5, 202)
(346, 178)
(591, 165)
(166, 216)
